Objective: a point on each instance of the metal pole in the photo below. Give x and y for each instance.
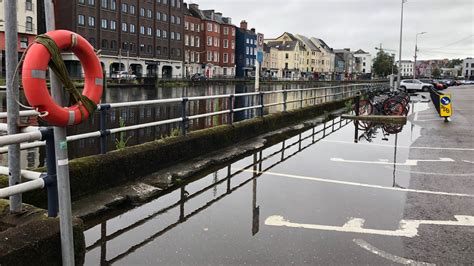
(13, 110)
(184, 116)
(62, 163)
(257, 75)
(52, 182)
(400, 49)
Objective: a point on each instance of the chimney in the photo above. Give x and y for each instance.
(243, 25)
(218, 15)
(252, 30)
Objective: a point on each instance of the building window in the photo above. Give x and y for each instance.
(142, 30)
(23, 42)
(91, 21)
(81, 1)
(124, 46)
(158, 33)
(29, 5)
(158, 50)
(192, 26)
(178, 36)
(226, 43)
(233, 31)
(178, 20)
(113, 4)
(172, 35)
(113, 45)
(165, 51)
(142, 12)
(91, 2)
(158, 15)
(92, 41)
(124, 27)
(113, 25)
(165, 2)
(209, 41)
(149, 31)
(104, 45)
(142, 48)
(81, 20)
(209, 56)
(124, 8)
(29, 23)
(198, 41)
(165, 35)
(226, 31)
(178, 52)
(103, 24)
(132, 28)
(165, 17)
(233, 45)
(103, 3)
(132, 9)
(191, 41)
(226, 58)
(209, 27)
(186, 40)
(149, 14)
(149, 49)
(186, 25)
(172, 20)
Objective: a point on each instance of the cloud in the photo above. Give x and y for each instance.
(362, 23)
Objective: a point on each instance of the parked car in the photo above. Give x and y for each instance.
(198, 77)
(414, 85)
(436, 84)
(123, 75)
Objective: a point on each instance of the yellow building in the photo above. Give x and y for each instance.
(290, 56)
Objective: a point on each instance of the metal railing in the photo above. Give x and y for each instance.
(183, 120)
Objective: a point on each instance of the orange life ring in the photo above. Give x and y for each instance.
(34, 70)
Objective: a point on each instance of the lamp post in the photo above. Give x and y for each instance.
(416, 50)
(400, 49)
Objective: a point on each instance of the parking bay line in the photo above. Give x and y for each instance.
(348, 183)
(406, 228)
(406, 163)
(399, 146)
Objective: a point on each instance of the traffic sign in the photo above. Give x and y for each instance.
(445, 109)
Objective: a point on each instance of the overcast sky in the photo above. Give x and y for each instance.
(363, 23)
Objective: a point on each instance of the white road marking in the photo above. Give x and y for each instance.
(363, 244)
(466, 161)
(407, 228)
(317, 179)
(386, 162)
(427, 120)
(399, 146)
(429, 173)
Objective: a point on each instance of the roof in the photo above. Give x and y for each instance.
(309, 44)
(322, 44)
(360, 51)
(283, 46)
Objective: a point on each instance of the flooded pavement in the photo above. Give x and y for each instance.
(316, 198)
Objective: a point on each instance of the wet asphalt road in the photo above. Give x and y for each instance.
(316, 187)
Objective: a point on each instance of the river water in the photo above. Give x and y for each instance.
(149, 113)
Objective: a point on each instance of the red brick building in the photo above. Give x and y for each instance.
(217, 56)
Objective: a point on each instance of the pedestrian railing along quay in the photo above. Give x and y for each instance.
(299, 99)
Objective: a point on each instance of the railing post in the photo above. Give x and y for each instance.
(230, 117)
(184, 116)
(261, 103)
(326, 95)
(103, 127)
(301, 98)
(285, 95)
(357, 104)
(51, 180)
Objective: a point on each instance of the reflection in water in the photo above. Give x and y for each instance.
(152, 113)
(233, 183)
(370, 131)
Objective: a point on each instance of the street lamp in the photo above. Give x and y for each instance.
(416, 50)
(400, 49)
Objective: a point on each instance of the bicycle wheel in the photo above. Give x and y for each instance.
(365, 107)
(393, 107)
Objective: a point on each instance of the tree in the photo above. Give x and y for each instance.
(436, 73)
(454, 62)
(384, 64)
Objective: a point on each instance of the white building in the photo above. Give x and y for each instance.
(468, 68)
(407, 68)
(363, 62)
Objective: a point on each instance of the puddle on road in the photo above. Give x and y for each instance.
(219, 219)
